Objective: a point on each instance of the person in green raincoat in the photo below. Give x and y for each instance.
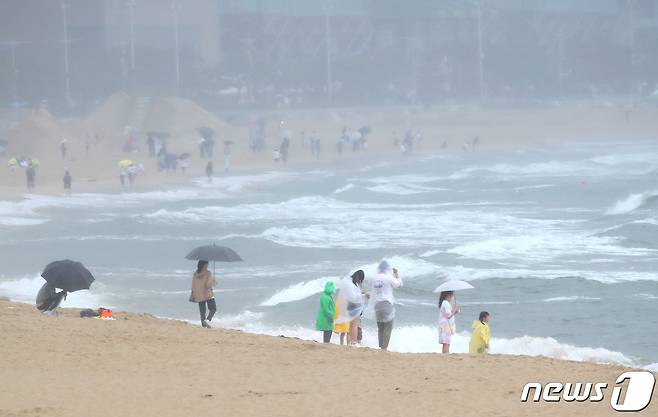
(325, 318)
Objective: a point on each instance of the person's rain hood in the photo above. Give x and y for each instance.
(329, 288)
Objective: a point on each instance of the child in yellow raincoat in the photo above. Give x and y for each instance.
(481, 334)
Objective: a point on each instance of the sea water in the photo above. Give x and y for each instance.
(561, 245)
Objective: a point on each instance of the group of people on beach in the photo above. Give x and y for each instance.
(342, 307)
(341, 310)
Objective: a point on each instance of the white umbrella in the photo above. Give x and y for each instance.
(453, 285)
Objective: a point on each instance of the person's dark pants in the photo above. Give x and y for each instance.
(326, 336)
(212, 308)
(384, 330)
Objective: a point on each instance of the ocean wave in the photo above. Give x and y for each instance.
(632, 203)
(570, 298)
(540, 169)
(25, 290)
(604, 277)
(544, 247)
(424, 339)
(347, 187)
(409, 268)
(298, 291)
(241, 183)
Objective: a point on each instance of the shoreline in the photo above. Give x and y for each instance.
(444, 132)
(180, 369)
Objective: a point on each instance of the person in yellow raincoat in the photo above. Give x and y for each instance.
(481, 334)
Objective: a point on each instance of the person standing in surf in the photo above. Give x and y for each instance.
(447, 313)
(324, 321)
(383, 284)
(202, 292)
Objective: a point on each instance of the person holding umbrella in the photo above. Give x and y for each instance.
(202, 292)
(70, 276)
(203, 281)
(448, 310)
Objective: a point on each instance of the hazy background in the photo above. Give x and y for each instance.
(266, 53)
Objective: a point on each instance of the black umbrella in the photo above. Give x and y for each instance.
(161, 135)
(68, 275)
(214, 253)
(206, 132)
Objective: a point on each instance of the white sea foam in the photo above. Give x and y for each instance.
(606, 277)
(410, 268)
(424, 339)
(544, 247)
(631, 203)
(345, 188)
(541, 169)
(570, 298)
(533, 187)
(26, 288)
(298, 291)
(241, 183)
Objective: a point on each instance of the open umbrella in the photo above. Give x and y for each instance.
(206, 132)
(68, 275)
(161, 135)
(214, 253)
(184, 155)
(125, 163)
(453, 285)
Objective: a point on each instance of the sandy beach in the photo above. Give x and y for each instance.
(139, 365)
(444, 130)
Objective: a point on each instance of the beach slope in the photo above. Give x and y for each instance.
(142, 366)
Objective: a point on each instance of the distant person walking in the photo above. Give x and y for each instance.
(285, 145)
(67, 183)
(324, 320)
(122, 176)
(209, 171)
(383, 284)
(447, 313)
(30, 174)
(150, 141)
(63, 147)
(481, 334)
(227, 155)
(202, 292)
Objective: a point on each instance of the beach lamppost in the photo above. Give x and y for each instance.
(174, 8)
(67, 75)
(327, 35)
(131, 40)
(478, 14)
(14, 69)
(560, 62)
(631, 44)
(131, 16)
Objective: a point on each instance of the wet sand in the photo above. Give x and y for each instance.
(444, 130)
(139, 365)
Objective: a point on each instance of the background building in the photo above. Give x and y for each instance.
(269, 52)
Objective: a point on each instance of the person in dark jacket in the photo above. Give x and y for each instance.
(67, 183)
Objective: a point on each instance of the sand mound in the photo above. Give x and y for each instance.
(39, 133)
(180, 118)
(109, 118)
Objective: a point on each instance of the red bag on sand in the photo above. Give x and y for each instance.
(104, 313)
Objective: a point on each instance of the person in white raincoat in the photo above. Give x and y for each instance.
(350, 304)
